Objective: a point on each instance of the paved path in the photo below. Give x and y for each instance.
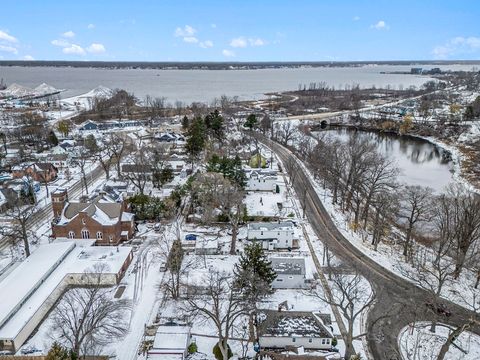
(399, 302)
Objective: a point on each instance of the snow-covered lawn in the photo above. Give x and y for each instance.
(418, 343)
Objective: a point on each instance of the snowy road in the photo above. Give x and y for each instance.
(399, 302)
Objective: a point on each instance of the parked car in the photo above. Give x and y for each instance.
(29, 350)
(191, 237)
(440, 309)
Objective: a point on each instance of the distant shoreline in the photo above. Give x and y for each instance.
(225, 65)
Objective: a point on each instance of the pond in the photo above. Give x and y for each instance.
(420, 162)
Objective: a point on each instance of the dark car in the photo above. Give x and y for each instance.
(440, 309)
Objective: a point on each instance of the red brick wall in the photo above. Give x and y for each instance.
(92, 226)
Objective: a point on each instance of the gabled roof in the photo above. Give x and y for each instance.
(102, 209)
(290, 324)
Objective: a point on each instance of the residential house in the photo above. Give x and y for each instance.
(282, 329)
(291, 272)
(274, 235)
(42, 172)
(88, 126)
(100, 218)
(171, 342)
(169, 137)
(261, 180)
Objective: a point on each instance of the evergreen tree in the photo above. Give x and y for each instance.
(185, 122)
(52, 138)
(251, 121)
(254, 274)
(58, 352)
(196, 138)
(215, 124)
(231, 168)
(174, 267)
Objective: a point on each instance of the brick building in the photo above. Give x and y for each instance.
(42, 172)
(101, 218)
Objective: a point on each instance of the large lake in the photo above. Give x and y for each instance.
(205, 85)
(420, 162)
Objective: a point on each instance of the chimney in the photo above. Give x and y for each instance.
(59, 198)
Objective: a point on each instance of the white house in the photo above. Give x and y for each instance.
(291, 273)
(171, 341)
(261, 180)
(275, 235)
(281, 329)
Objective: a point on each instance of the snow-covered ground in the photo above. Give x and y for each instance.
(418, 343)
(460, 291)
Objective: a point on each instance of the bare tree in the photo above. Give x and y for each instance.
(87, 319)
(140, 168)
(115, 148)
(462, 327)
(82, 157)
(415, 207)
(285, 131)
(155, 107)
(466, 224)
(352, 295)
(435, 268)
(19, 213)
(218, 301)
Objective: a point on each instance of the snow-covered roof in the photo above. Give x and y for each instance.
(170, 339)
(103, 209)
(288, 265)
(285, 225)
(31, 283)
(23, 280)
(275, 323)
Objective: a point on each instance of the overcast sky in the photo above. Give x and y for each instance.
(246, 30)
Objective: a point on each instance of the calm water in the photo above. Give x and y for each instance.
(205, 85)
(420, 162)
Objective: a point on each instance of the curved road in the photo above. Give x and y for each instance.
(399, 302)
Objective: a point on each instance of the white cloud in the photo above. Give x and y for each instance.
(186, 31)
(96, 48)
(213, 26)
(7, 48)
(60, 42)
(228, 53)
(457, 46)
(242, 42)
(206, 44)
(74, 49)
(69, 34)
(91, 26)
(7, 37)
(256, 42)
(28, 57)
(380, 25)
(190, 39)
(356, 18)
(239, 42)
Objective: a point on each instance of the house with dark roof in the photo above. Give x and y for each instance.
(282, 329)
(39, 171)
(101, 218)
